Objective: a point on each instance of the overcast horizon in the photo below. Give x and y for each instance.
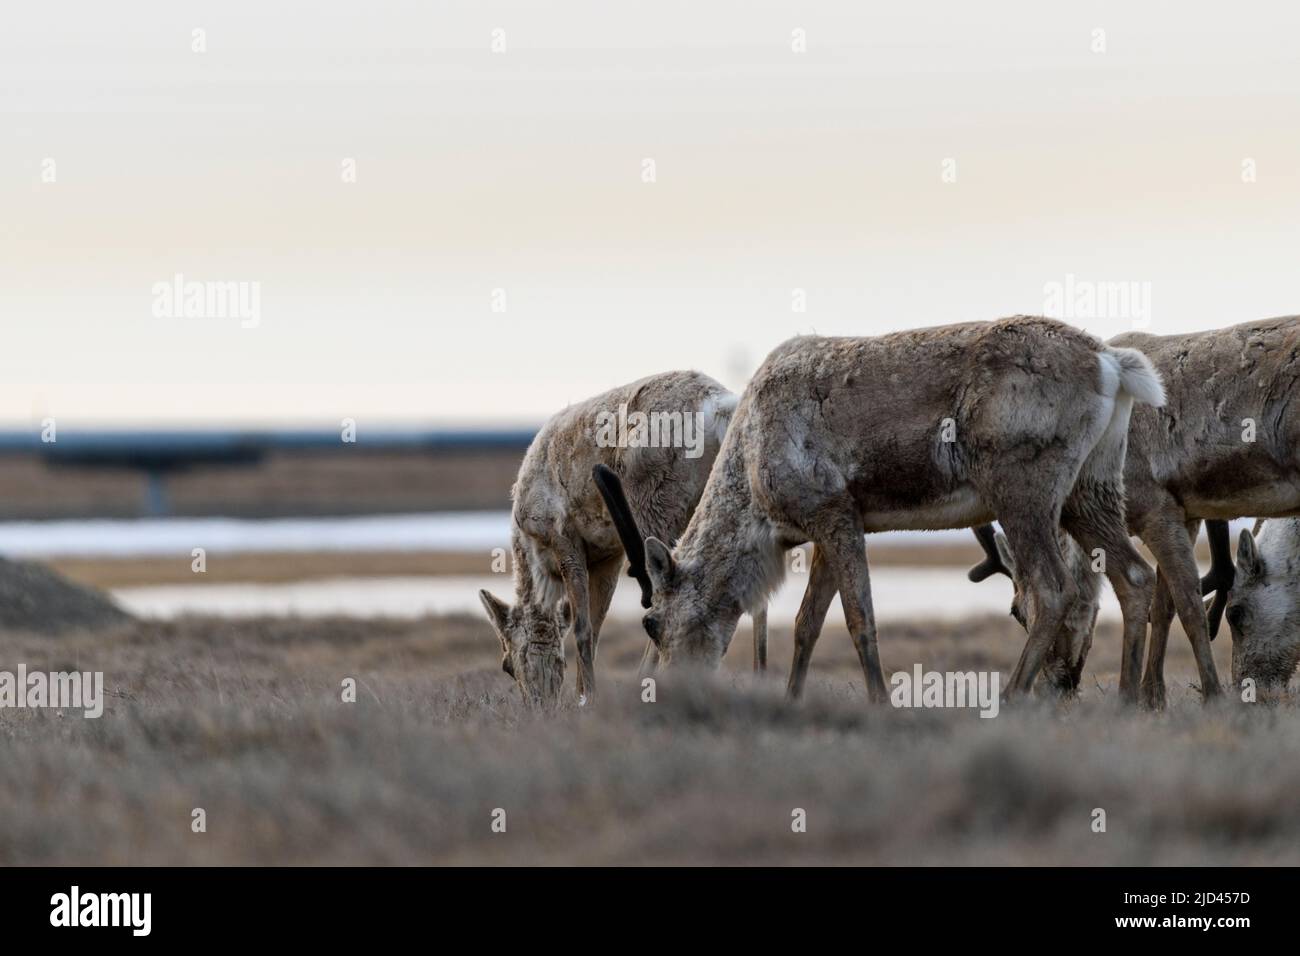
(386, 182)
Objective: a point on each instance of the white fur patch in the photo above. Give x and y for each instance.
(1138, 377)
(1109, 363)
(760, 539)
(1272, 604)
(717, 412)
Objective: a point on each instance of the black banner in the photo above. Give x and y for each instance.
(366, 905)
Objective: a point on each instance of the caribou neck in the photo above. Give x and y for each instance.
(730, 544)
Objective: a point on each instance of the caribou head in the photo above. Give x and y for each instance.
(681, 621)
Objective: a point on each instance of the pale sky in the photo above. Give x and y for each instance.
(1111, 157)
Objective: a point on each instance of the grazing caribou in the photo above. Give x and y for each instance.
(1225, 445)
(1023, 419)
(1264, 606)
(1061, 672)
(567, 554)
(1063, 675)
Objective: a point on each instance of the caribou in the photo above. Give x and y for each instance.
(1223, 446)
(660, 436)
(1062, 670)
(1063, 674)
(1024, 419)
(1264, 606)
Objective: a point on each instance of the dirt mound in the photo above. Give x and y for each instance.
(34, 598)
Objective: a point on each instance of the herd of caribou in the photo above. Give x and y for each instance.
(1072, 445)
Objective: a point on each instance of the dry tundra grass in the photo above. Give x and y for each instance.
(244, 719)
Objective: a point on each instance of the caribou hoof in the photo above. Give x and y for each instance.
(1153, 696)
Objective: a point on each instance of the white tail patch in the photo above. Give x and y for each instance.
(1130, 372)
(717, 411)
(1127, 376)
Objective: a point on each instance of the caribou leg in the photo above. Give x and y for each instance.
(603, 580)
(1162, 616)
(1048, 587)
(1131, 578)
(1165, 533)
(759, 621)
(1222, 572)
(817, 597)
(573, 570)
(849, 557)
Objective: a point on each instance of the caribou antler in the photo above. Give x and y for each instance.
(611, 489)
(1221, 575)
(992, 563)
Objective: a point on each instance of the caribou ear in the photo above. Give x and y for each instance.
(1004, 554)
(658, 562)
(1249, 561)
(497, 612)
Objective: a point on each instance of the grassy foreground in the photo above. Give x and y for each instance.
(245, 720)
